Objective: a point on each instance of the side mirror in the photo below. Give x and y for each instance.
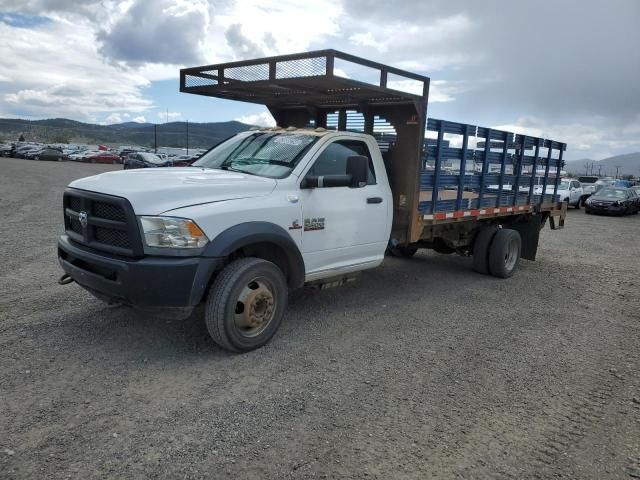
(358, 169)
(325, 181)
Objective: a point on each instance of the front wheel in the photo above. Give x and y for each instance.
(246, 304)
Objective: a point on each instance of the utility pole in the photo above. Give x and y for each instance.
(618, 167)
(187, 137)
(155, 138)
(599, 170)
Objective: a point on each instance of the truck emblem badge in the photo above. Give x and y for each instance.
(83, 219)
(311, 224)
(295, 225)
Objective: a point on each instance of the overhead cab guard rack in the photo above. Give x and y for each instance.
(311, 79)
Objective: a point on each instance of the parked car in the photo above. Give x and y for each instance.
(125, 153)
(622, 183)
(23, 150)
(589, 185)
(145, 160)
(103, 157)
(613, 200)
(53, 154)
(33, 154)
(81, 155)
(6, 150)
(569, 191)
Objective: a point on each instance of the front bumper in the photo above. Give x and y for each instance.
(605, 208)
(149, 283)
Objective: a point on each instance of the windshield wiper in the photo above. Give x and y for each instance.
(233, 169)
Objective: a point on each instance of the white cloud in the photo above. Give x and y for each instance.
(286, 26)
(113, 118)
(421, 44)
(169, 115)
(140, 119)
(599, 139)
(162, 31)
(58, 69)
(367, 39)
(263, 119)
(55, 71)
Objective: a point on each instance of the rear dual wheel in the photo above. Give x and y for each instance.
(497, 251)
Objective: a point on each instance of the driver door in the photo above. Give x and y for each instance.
(343, 226)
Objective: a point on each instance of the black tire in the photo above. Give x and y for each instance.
(577, 205)
(267, 291)
(504, 253)
(402, 251)
(481, 249)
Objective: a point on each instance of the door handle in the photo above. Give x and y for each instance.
(374, 200)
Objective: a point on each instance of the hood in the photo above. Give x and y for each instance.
(549, 189)
(153, 191)
(597, 198)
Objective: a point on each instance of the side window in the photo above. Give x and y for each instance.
(333, 159)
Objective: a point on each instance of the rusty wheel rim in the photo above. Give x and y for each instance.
(255, 307)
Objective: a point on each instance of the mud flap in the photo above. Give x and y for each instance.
(529, 230)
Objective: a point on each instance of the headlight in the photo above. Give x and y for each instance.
(171, 232)
(588, 201)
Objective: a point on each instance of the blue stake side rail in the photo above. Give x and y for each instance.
(505, 173)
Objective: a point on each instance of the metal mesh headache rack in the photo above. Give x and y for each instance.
(323, 78)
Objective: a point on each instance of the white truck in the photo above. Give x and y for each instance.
(569, 190)
(274, 209)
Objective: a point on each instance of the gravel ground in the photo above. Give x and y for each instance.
(421, 369)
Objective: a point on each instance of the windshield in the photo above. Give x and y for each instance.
(614, 193)
(587, 179)
(150, 157)
(266, 154)
(563, 186)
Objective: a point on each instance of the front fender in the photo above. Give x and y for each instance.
(251, 233)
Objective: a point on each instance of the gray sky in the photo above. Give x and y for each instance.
(563, 69)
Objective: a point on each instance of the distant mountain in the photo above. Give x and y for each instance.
(628, 164)
(173, 134)
(132, 124)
